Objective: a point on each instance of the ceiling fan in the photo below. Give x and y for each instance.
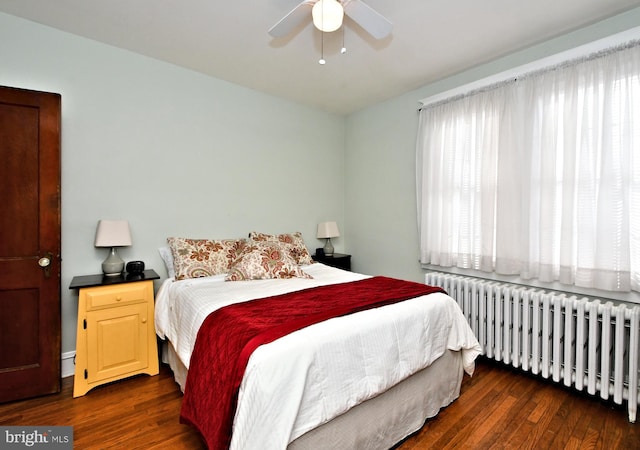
(327, 16)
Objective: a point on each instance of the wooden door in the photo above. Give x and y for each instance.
(29, 243)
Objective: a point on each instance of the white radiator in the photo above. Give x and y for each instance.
(581, 342)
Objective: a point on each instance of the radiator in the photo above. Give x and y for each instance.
(581, 342)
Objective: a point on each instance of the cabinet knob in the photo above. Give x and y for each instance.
(144, 320)
(118, 298)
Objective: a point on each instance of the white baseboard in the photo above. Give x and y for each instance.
(67, 365)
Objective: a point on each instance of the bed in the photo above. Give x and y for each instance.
(362, 380)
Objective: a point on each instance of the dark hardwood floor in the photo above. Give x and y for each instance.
(498, 408)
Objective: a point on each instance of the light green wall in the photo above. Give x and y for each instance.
(179, 153)
(172, 151)
(380, 198)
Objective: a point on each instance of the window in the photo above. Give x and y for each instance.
(538, 177)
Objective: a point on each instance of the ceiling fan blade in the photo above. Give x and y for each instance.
(368, 18)
(294, 18)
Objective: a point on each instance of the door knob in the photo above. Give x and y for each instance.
(45, 263)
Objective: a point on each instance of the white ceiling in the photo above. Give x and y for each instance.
(431, 39)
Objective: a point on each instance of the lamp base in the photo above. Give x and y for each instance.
(328, 248)
(113, 265)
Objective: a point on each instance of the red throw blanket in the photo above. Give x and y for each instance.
(229, 335)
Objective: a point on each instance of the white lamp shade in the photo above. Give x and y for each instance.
(327, 230)
(113, 233)
(327, 15)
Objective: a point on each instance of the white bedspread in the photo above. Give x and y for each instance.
(307, 378)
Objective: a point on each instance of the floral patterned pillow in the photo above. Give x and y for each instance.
(194, 258)
(262, 261)
(293, 243)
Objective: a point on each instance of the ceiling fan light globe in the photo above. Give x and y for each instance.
(327, 15)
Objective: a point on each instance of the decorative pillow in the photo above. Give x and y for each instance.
(167, 258)
(194, 258)
(294, 244)
(262, 261)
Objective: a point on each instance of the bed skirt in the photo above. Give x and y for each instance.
(382, 421)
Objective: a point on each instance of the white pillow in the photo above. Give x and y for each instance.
(167, 257)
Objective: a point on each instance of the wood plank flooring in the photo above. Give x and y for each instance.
(498, 408)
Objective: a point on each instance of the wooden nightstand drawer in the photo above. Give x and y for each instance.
(106, 297)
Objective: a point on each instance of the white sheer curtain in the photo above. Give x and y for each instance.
(538, 177)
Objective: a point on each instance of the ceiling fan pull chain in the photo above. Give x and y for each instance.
(322, 61)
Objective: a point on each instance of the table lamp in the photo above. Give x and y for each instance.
(113, 233)
(328, 230)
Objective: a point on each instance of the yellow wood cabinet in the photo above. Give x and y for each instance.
(115, 335)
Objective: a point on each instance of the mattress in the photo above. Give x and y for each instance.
(316, 374)
(384, 420)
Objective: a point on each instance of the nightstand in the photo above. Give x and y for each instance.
(339, 260)
(116, 336)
